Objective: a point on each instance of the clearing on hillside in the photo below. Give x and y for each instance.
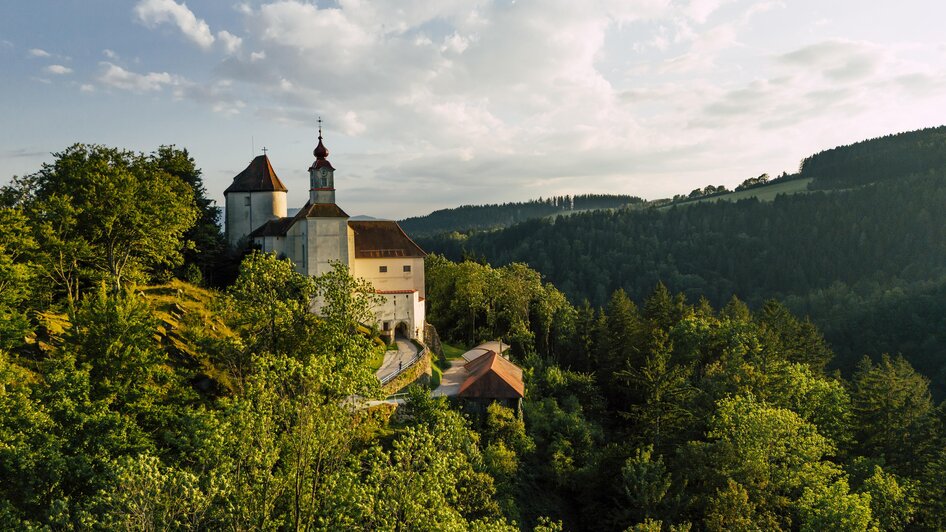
(762, 193)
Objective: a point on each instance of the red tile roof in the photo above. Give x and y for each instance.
(493, 377)
(259, 176)
(376, 239)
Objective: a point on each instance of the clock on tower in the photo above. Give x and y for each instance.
(321, 175)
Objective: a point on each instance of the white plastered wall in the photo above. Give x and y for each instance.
(242, 219)
(397, 308)
(395, 278)
(326, 241)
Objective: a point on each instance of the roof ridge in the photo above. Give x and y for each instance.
(258, 176)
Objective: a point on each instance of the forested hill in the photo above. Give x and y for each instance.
(890, 157)
(868, 264)
(495, 216)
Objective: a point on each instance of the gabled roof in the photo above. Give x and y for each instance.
(321, 210)
(277, 227)
(280, 226)
(259, 176)
(492, 377)
(375, 239)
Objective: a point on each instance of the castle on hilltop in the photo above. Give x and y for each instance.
(377, 251)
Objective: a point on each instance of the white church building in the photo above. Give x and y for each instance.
(375, 250)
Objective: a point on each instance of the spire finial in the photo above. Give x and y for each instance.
(265, 150)
(320, 151)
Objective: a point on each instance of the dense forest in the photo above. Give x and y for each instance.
(867, 263)
(482, 217)
(151, 378)
(675, 415)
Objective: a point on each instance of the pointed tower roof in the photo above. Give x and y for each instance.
(259, 176)
(321, 152)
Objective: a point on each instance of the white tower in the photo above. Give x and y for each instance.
(328, 237)
(255, 197)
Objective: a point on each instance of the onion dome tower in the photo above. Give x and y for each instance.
(321, 175)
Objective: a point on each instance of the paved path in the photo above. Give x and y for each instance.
(396, 361)
(484, 348)
(452, 379)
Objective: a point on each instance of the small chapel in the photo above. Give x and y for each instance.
(320, 233)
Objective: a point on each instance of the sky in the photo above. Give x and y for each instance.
(429, 104)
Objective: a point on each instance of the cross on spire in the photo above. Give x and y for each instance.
(265, 150)
(320, 127)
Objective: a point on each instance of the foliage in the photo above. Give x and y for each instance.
(18, 283)
(209, 255)
(889, 400)
(104, 213)
(892, 502)
(832, 507)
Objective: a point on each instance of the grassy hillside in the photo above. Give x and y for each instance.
(762, 193)
(184, 322)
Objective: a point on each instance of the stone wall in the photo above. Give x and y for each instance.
(419, 372)
(432, 339)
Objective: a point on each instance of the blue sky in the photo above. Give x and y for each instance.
(436, 103)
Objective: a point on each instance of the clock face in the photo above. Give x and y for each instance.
(323, 172)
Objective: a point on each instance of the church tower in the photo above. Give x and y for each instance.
(327, 235)
(321, 175)
(255, 197)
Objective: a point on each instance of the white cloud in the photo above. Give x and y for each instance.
(38, 52)
(154, 12)
(700, 10)
(838, 60)
(109, 54)
(351, 125)
(117, 77)
(455, 43)
(87, 87)
(231, 43)
(306, 27)
(513, 97)
(59, 70)
(229, 108)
